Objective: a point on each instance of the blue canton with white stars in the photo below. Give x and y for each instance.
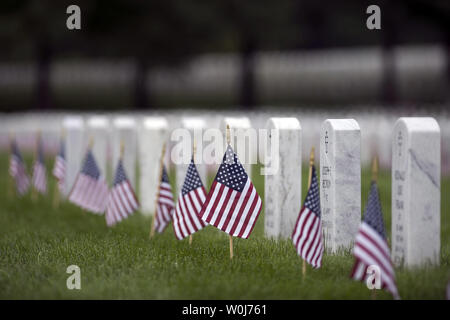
(164, 176)
(15, 151)
(373, 215)
(312, 201)
(62, 152)
(231, 172)
(40, 152)
(120, 174)
(90, 166)
(192, 180)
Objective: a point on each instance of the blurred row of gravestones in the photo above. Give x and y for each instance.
(333, 76)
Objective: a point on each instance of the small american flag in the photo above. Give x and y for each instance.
(59, 169)
(90, 190)
(165, 206)
(371, 247)
(307, 234)
(39, 178)
(190, 200)
(122, 200)
(232, 204)
(17, 169)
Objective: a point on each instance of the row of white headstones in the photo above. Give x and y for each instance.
(415, 239)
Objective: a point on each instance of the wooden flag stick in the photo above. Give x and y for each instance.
(122, 149)
(56, 193)
(90, 145)
(10, 178)
(91, 142)
(152, 229)
(374, 179)
(311, 163)
(34, 193)
(229, 236)
(194, 150)
(231, 246)
(374, 294)
(375, 169)
(10, 183)
(56, 196)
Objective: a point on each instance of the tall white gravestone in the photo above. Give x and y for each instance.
(98, 130)
(75, 148)
(124, 130)
(243, 140)
(152, 136)
(416, 202)
(340, 182)
(445, 149)
(195, 126)
(283, 186)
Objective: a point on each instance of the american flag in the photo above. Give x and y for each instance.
(371, 247)
(39, 178)
(59, 169)
(17, 169)
(307, 234)
(122, 200)
(232, 204)
(165, 206)
(190, 200)
(90, 190)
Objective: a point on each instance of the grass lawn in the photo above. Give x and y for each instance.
(38, 243)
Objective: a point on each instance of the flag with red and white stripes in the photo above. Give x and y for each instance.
(59, 169)
(122, 201)
(18, 170)
(165, 206)
(39, 178)
(90, 190)
(232, 204)
(190, 200)
(307, 234)
(371, 247)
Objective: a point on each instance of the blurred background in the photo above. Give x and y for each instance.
(254, 54)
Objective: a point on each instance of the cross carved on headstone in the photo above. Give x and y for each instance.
(400, 143)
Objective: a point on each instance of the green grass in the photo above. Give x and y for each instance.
(38, 243)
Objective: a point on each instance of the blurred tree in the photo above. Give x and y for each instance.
(28, 33)
(154, 33)
(35, 30)
(258, 25)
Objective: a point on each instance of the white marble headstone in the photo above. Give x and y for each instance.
(340, 182)
(445, 148)
(75, 148)
(244, 140)
(283, 185)
(124, 130)
(152, 136)
(98, 130)
(416, 202)
(195, 126)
